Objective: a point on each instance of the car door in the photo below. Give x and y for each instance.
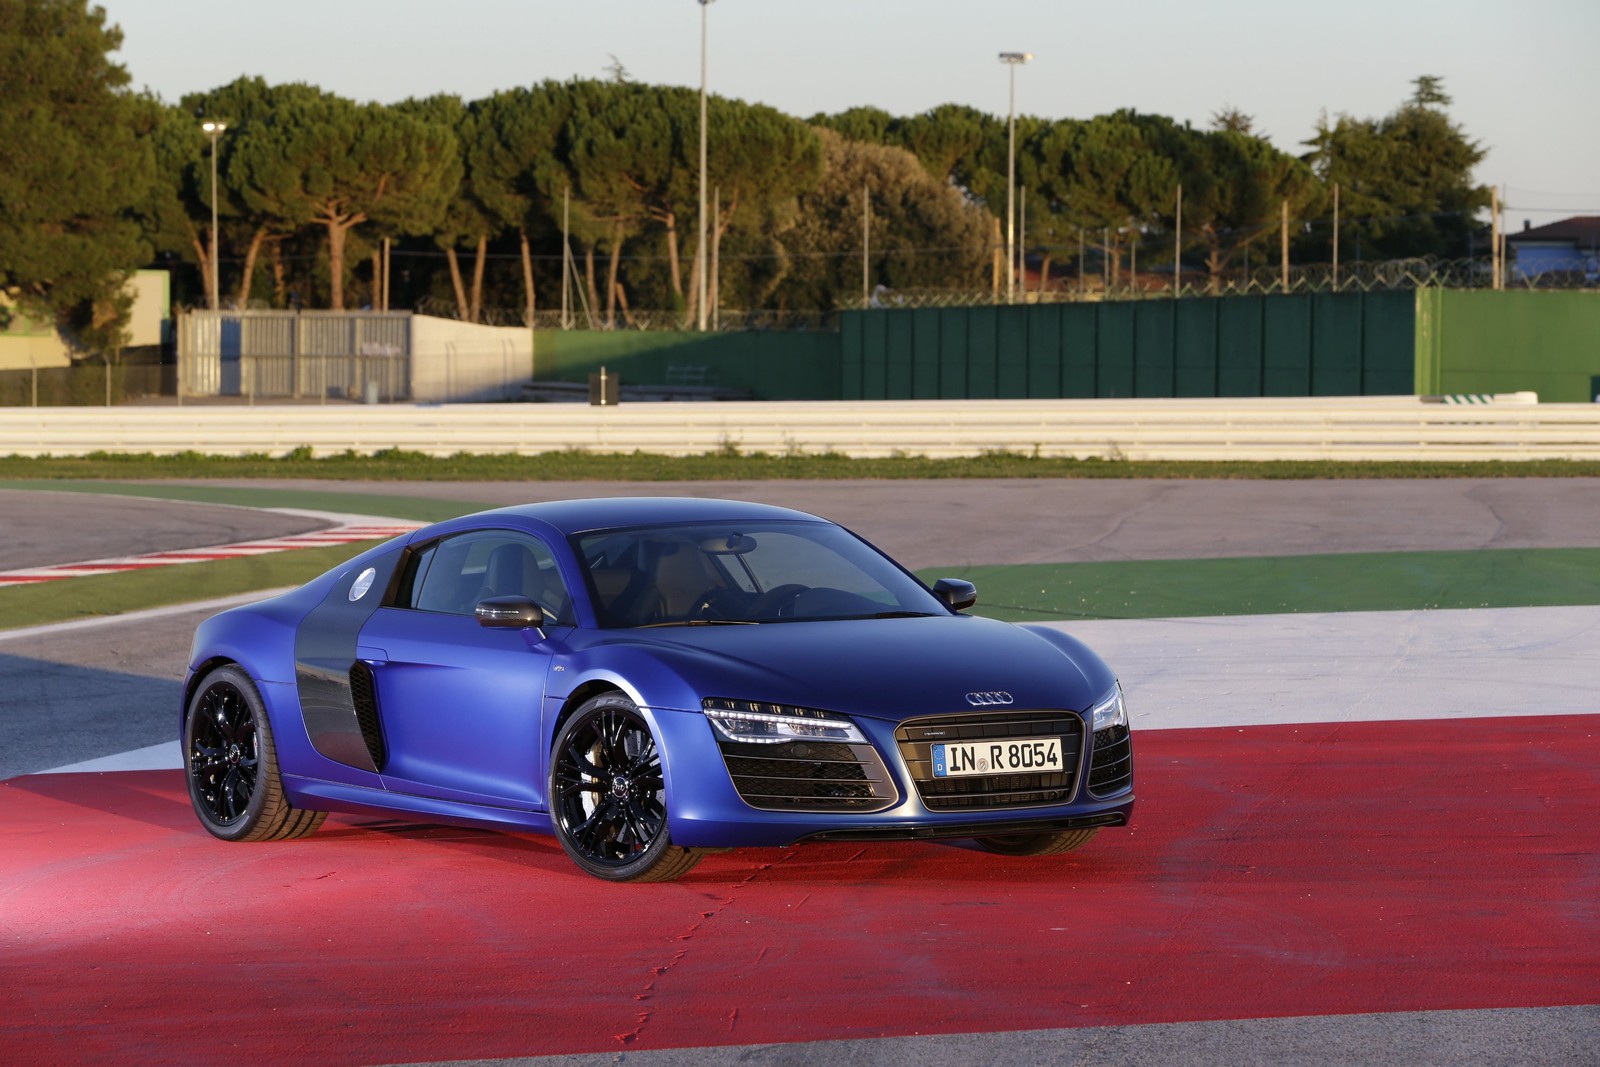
(459, 702)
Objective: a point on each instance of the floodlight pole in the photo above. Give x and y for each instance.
(700, 247)
(1012, 60)
(214, 131)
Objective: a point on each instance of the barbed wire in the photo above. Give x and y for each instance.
(1358, 277)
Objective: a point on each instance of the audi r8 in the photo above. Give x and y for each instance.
(649, 680)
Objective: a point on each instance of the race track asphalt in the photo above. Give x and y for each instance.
(78, 692)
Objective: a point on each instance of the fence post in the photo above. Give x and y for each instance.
(1284, 230)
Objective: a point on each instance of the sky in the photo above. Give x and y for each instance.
(1525, 76)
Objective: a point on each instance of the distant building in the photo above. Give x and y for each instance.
(1569, 246)
(26, 344)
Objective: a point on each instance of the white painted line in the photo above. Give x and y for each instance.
(166, 756)
(358, 528)
(218, 604)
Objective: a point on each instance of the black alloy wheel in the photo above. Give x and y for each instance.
(232, 765)
(608, 795)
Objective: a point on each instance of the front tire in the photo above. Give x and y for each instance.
(1046, 844)
(232, 764)
(608, 796)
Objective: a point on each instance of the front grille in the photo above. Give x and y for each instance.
(808, 776)
(364, 695)
(916, 738)
(1111, 762)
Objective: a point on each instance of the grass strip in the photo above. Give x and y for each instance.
(66, 599)
(731, 465)
(1367, 581)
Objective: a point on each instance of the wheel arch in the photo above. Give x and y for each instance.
(200, 672)
(600, 684)
(581, 695)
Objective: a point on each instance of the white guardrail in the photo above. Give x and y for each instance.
(1359, 428)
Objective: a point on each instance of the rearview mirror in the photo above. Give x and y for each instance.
(956, 594)
(511, 613)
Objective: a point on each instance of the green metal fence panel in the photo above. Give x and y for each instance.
(1277, 345)
(852, 356)
(953, 353)
(1286, 346)
(1388, 344)
(1240, 364)
(983, 339)
(775, 365)
(1044, 351)
(1011, 351)
(875, 355)
(1426, 343)
(1501, 342)
(1080, 350)
(1195, 360)
(1153, 344)
(1336, 333)
(926, 336)
(898, 344)
(1114, 374)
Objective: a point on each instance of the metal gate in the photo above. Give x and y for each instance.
(363, 355)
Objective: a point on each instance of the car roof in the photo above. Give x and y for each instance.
(604, 513)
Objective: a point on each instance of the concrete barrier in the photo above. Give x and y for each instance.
(1361, 428)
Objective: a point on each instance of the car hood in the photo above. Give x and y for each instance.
(879, 668)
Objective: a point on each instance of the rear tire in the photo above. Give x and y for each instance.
(608, 797)
(1047, 844)
(232, 765)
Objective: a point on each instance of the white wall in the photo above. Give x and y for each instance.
(461, 361)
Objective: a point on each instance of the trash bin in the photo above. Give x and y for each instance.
(370, 394)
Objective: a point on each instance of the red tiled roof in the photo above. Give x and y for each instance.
(1582, 230)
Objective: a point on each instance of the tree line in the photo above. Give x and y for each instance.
(480, 200)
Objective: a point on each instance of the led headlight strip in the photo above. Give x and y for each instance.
(1111, 711)
(756, 722)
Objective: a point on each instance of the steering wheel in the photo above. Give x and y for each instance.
(709, 606)
(774, 600)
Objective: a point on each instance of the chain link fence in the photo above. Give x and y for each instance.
(86, 384)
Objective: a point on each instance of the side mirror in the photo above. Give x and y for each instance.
(511, 613)
(956, 594)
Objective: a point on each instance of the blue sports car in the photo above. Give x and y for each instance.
(650, 679)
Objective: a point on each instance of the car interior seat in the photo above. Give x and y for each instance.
(513, 570)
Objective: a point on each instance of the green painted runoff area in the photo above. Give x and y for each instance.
(1274, 585)
(1386, 581)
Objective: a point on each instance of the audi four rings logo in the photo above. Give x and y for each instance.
(984, 700)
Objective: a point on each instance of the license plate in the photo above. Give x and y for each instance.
(1011, 756)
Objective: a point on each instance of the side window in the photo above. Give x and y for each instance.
(452, 575)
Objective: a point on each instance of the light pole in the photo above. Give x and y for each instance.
(700, 246)
(1012, 60)
(214, 131)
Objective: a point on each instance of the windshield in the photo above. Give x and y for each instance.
(706, 573)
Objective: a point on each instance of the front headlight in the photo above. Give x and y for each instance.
(1111, 711)
(755, 722)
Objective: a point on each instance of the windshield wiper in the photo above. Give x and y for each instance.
(699, 622)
